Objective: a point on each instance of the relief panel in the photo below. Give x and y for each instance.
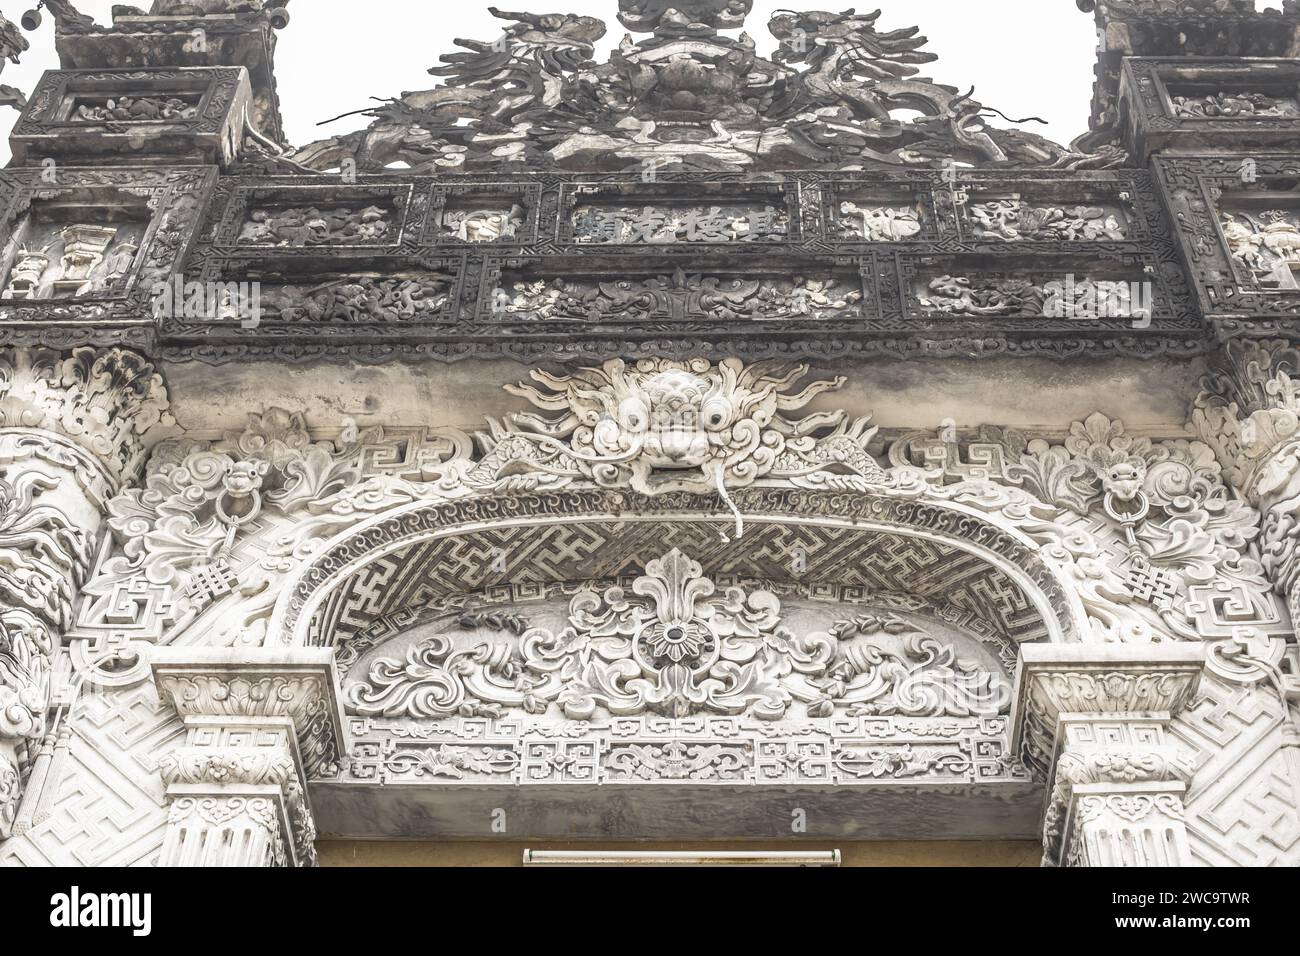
(578, 683)
(193, 114)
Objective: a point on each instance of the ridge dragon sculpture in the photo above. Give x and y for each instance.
(837, 94)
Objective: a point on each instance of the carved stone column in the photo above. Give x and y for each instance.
(1248, 412)
(1092, 720)
(73, 431)
(260, 722)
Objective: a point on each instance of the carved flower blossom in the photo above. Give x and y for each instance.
(677, 641)
(277, 436)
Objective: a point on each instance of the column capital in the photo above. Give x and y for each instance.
(1053, 680)
(259, 723)
(1091, 720)
(299, 683)
(110, 404)
(1116, 797)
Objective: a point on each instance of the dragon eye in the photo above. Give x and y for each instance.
(632, 414)
(715, 413)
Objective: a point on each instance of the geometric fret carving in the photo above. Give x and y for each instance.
(109, 806)
(426, 571)
(1241, 801)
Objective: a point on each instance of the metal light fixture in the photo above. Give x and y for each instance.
(677, 858)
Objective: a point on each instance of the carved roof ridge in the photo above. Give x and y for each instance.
(836, 93)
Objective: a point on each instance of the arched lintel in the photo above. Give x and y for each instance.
(941, 522)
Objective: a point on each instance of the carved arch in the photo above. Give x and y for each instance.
(393, 559)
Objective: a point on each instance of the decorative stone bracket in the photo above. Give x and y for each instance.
(260, 723)
(1093, 720)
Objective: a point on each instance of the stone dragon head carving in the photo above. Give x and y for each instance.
(683, 16)
(666, 425)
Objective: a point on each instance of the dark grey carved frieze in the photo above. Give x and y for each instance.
(1236, 219)
(193, 114)
(310, 219)
(85, 248)
(1210, 104)
(241, 35)
(591, 266)
(1157, 29)
(890, 691)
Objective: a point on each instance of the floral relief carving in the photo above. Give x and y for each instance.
(1180, 534)
(669, 224)
(676, 760)
(674, 645)
(108, 401)
(1015, 220)
(360, 299)
(200, 499)
(252, 766)
(883, 667)
(680, 297)
(1235, 105)
(309, 226)
(138, 109)
(994, 296)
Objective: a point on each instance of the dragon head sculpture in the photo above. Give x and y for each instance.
(666, 425)
(683, 17)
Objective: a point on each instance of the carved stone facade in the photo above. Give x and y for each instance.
(648, 448)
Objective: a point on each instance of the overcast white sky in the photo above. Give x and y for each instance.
(1024, 57)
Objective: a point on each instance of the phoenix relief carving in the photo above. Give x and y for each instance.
(677, 644)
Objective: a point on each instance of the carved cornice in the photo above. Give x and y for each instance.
(300, 684)
(110, 403)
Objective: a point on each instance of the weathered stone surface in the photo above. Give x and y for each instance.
(650, 448)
